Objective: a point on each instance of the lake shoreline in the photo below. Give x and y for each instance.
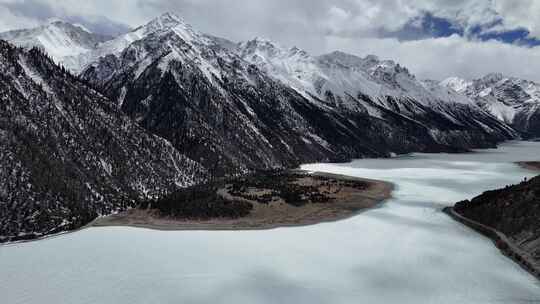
(499, 239)
(381, 193)
(311, 214)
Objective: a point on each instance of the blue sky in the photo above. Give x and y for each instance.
(426, 26)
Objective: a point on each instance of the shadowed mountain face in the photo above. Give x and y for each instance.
(68, 155)
(232, 112)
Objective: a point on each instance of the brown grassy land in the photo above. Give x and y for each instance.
(258, 202)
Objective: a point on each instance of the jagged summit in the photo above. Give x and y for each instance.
(512, 100)
(272, 48)
(76, 47)
(167, 33)
(342, 74)
(170, 17)
(370, 64)
(164, 22)
(264, 48)
(494, 77)
(63, 41)
(455, 83)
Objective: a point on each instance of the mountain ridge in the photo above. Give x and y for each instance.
(62, 40)
(512, 100)
(217, 77)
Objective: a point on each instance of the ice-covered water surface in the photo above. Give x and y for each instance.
(407, 251)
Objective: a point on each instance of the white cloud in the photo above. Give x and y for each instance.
(320, 26)
(522, 13)
(10, 21)
(444, 57)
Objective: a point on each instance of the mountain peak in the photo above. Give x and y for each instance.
(64, 25)
(261, 42)
(493, 77)
(342, 56)
(56, 22)
(62, 40)
(455, 83)
(369, 63)
(170, 17)
(262, 47)
(298, 52)
(163, 22)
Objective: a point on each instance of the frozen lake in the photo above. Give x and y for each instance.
(407, 251)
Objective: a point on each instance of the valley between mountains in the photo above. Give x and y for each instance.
(93, 125)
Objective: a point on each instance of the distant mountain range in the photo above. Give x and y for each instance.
(512, 100)
(164, 106)
(63, 41)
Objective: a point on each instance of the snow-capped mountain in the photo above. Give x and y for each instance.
(457, 84)
(67, 154)
(256, 105)
(368, 83)
(342, 74)
(512, 100)
(63, 41)
(182, 105)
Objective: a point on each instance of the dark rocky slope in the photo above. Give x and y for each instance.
(68, 155)
(511, 216)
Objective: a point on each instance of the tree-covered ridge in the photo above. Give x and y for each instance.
(68, 155)
(512, 210)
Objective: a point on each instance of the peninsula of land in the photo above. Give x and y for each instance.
(257, 202)
(508, 216)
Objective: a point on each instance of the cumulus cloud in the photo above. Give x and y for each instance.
(16, 14)
(403, 30)
(439, 58)
(521, 13)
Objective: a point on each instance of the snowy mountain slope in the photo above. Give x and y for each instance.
(164, 23)
(341, 74)
(233, 114)
(512, 100)
(63, 41)
(336, 77)
(68, 155)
